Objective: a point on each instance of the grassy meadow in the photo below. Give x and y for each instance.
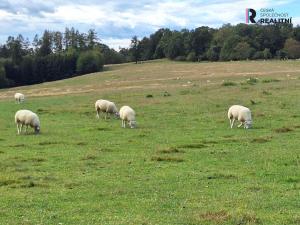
(182, 165)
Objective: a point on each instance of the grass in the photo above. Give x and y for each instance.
(182, 165)
(269, 80)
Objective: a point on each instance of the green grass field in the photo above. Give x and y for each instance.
(182, 165)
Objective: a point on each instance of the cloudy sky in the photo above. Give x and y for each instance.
(116, 21)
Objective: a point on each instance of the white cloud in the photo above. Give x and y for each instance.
(117, 21)
(296, 20)
(116, 43)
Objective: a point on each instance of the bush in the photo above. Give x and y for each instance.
(89, 62)
(281, 54)
(267, 54)
(180, 58)
(242, 51)
(252, 80)
(191, 57)
(292, 48)
(213, 53)
(258, 55)
(229, 83)
(270, 80)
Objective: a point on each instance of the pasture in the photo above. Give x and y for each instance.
(182, 165)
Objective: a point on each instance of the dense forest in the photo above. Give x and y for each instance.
(54, 56)
(58, 55)
(238, 42)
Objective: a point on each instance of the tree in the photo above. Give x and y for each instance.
(201, 39)
(242, 51)
(91, 38)
(15, 49)
(135, 49)
(292, 48)
(58, 42)
(145, 49)
(296, 33)
(3, 80)
(89, 61)
(4, 52)
(267, 53)
(36, 43)
(174, 46)
(227, 51)
(46, 44)
(213, 53)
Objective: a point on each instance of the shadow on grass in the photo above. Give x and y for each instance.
(50, 142)
(166, 159)
(89, 157)
(283, 130)
(170, 150)
(17, 145)
(193, 145)
(261, 140)
(221, 176)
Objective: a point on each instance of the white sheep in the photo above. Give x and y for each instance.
(19, 97)
(127, 114)
(106, 107)
(27, 118)
(240, 113)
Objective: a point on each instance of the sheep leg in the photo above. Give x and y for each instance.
(18, 128)
(21, 128)
(26, 129)
(232, 122)
(240, 124)
(97, 115)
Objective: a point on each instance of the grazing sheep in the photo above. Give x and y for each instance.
(240, 113)
(27, 118)
(127, 114)
(106, 107)
(19, 97)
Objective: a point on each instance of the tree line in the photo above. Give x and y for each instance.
(239, 42)
(55, 55)
(58, 55)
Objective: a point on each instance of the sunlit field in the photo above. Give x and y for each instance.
(181, 165)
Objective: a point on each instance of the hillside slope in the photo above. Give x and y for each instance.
(182, 165)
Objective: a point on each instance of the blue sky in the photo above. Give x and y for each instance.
(116, 21)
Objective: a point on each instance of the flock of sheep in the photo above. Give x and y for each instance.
(27, 118)
(127, 114)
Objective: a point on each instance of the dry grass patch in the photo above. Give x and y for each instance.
(219, 217)
(247, 219)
